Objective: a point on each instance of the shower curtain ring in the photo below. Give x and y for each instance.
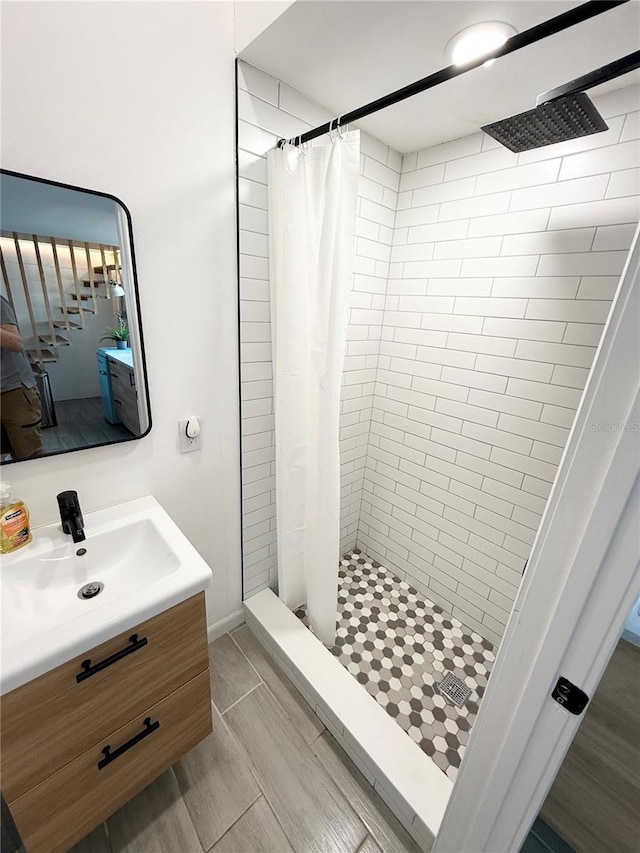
(338, 128)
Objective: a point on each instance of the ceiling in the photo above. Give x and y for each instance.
(345, 54)
(36, 207)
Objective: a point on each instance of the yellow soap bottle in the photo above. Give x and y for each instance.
(14, 521)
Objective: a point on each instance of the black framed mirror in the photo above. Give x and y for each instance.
(72, 371)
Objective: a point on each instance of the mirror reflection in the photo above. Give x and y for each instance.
(72, 368)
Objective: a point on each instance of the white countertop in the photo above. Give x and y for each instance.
(125, 356)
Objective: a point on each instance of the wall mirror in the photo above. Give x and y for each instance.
(72, 373)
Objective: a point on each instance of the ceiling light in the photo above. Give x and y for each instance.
(478, 40)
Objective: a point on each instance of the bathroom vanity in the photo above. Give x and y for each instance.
(118, 387)
(80, 738)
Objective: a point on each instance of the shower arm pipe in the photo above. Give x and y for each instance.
(534, 34)
(594, 78)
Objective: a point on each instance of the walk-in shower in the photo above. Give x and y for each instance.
(483, 278)
(422, 665)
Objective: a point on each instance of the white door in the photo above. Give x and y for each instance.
(581, 581)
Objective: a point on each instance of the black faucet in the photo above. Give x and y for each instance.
(71, 515)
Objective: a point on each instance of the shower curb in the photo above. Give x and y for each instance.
(413, 787)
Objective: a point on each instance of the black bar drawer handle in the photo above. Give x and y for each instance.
(88, 670)
(109, 756)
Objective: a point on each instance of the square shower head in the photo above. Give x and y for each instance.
(564, 118)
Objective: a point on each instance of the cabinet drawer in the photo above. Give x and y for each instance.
(123, 389)
(123, 385)
(66, 806)
(121, 372)
(127, 412)
(54, 718)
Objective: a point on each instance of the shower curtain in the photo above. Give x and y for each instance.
(312, 210)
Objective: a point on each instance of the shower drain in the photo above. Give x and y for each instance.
(454, 690)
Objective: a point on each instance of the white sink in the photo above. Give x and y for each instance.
(134, 549)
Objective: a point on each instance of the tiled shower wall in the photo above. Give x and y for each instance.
(268, 110)
(466, 356)
(503, 268)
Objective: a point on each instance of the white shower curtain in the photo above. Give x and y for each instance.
(312, 210)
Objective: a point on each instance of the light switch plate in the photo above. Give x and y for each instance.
(187, 445)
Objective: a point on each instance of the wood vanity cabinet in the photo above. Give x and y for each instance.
(82, 739)
(124, 394)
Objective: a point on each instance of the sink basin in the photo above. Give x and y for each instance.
(134, 550)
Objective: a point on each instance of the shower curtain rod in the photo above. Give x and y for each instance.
(540, 31)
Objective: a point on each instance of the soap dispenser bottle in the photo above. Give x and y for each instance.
(14, 521)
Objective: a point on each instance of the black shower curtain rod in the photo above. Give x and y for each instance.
(527, 37)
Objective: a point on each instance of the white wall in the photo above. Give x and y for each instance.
(503, 270)
(267, 110)
(162, 73)
(75, 375)
(254, 16)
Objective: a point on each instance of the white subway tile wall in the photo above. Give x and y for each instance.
(482, 283)
(503, 271)
(267, 110)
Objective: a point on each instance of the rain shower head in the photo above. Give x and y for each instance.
(563, 113)
(556, 121)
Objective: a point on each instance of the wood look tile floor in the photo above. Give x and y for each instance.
(81, 423)
(269, 779)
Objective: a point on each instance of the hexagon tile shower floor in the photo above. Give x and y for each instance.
(399, 646)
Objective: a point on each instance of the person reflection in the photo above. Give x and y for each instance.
(20, 410)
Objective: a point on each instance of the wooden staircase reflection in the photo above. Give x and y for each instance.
(52, 286)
